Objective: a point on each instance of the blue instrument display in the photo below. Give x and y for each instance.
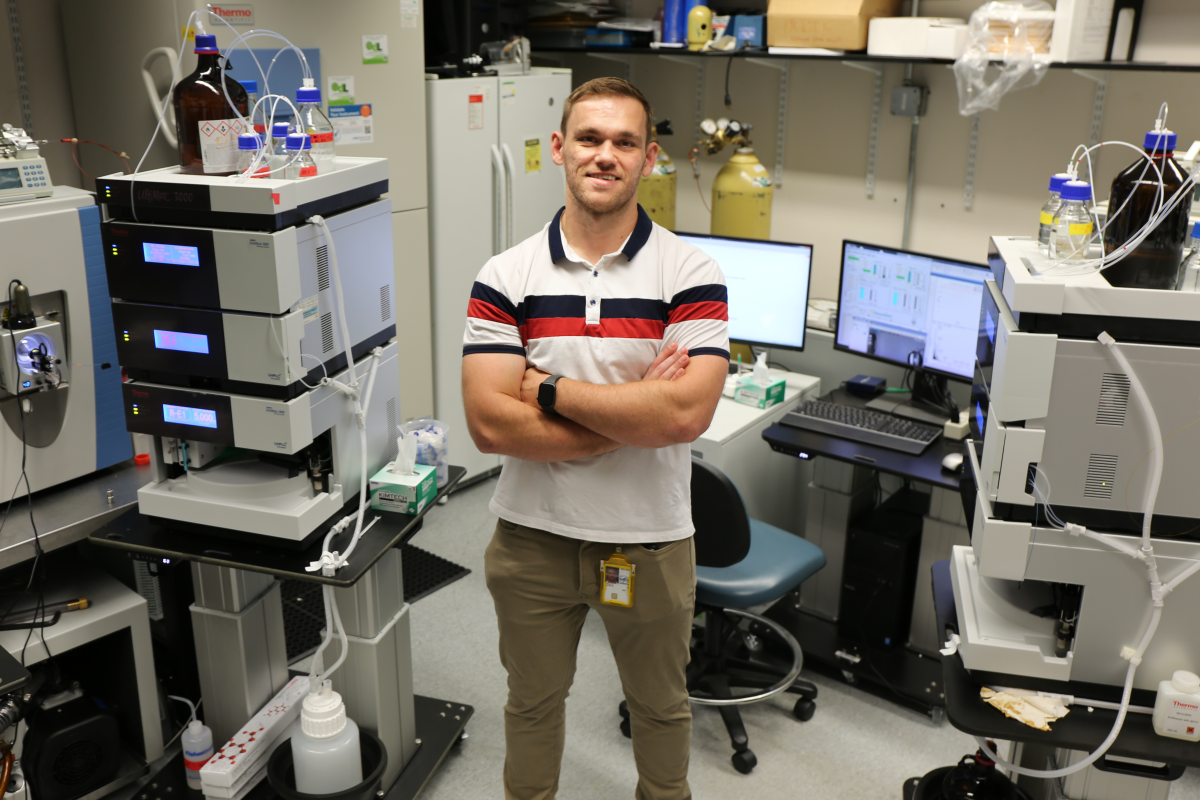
(185, 342)
(184, 415)
(171, 254)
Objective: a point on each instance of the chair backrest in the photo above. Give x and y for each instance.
(722, 524)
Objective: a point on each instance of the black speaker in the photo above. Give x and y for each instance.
(71, 750)
(880, 572)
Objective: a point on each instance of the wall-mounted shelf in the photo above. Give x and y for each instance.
(1115, 66)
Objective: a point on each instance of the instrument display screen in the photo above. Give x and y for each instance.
(179, 254)
(185, 415)
(10, 178)
(184, 342)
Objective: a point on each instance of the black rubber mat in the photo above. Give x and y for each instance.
(304, 612)
(425, 573)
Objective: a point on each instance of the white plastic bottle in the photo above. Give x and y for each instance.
(1049, 213)
(1189, 272)
(299, 165)
(1177, 709)
(325, 751)
(197, 743)
(312, 120)
(1073, 231)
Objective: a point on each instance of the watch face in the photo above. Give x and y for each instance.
(546, 395)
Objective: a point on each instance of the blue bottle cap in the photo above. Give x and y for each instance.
(1196, 231)
(279, 130)
(251, 87)
(249, 141)
(1160, 140)
(206, 43)
(1057, 181)
(299, 141)
(1077, 190)
(308, 94)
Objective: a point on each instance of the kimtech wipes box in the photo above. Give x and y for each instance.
(759, 393)
(407, 494)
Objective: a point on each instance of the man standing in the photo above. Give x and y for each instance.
(594, 352)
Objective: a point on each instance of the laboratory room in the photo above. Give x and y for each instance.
(562, 400)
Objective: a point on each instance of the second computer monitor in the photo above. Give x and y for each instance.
(910, 309)
(768, 287)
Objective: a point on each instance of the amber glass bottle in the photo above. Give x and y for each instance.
(206, 126)
(1155, 263)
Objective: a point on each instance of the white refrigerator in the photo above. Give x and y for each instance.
(492, 184)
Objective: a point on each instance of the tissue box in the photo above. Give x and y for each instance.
(407, 494)
(758, 394)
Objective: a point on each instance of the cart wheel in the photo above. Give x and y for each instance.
(745, 761)
(804, 709)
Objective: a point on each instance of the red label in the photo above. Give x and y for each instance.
(475, 98)
(275, 197)
(194, 765)
(321, 138)
(263, 172)
(308, 172)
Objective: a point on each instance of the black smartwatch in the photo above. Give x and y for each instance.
(547, 393)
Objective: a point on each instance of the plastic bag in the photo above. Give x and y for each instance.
(430, 437)
(1017, 30)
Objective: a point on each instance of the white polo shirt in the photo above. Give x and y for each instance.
(603, 324)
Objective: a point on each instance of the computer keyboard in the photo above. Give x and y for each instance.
(862, 425)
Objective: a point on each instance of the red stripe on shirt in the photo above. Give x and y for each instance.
(710, 309)
(481, 309)
(618, 328)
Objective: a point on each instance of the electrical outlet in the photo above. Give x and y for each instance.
(909, 101)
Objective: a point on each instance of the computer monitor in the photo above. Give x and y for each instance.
(913, 310)
(768, 287)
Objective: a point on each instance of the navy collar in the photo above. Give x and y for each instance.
(637, 239)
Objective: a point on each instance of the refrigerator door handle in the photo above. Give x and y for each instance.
(499, 217)
(508, 199)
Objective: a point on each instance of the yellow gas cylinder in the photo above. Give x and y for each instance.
(741, 198)
(656, 191)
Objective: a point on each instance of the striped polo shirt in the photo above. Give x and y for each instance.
(603, 324)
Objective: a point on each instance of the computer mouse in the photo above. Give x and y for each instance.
(952, 462)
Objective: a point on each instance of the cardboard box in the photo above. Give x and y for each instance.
(407, 494)
(760, 395)
(832, 24)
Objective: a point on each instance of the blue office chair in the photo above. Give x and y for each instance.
(742, 563)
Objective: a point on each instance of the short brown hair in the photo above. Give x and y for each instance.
(606, 87)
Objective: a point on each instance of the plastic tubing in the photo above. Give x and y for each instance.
(193, 17)
(190, 705)
(1122, 711)
(1152, 429)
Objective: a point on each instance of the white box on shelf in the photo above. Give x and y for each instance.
(917, 37)
(1081, 30)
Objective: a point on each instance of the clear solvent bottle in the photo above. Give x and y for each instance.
(1050, 212)
(248, 146)
(299, 158)
(1189, 273)
(1073, 232)
(312, 121)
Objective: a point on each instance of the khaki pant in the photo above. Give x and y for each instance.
(543, 586)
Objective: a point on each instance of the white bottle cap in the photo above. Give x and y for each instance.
(323, 713)
(196, 727)
(1186, 681)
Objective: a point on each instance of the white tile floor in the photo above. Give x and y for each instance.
(856, 746)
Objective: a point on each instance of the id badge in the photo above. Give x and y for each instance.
(616, 581)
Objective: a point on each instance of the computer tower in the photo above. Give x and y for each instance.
(882, 551)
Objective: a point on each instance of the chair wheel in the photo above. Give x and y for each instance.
(623, 710)
(745, 761)
(626, 731)
(804, 709)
